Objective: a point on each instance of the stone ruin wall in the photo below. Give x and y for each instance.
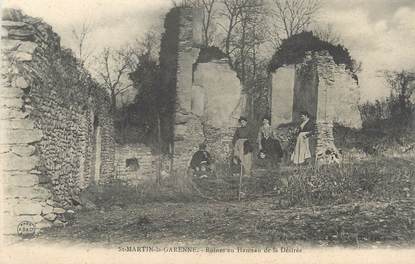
(52, 116)
(207, 94)
(220, 88)
(146, 161)
(321, 87)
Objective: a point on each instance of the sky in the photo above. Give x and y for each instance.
(379, 33)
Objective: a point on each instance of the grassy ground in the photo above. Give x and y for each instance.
(254, 222)
(361, 203)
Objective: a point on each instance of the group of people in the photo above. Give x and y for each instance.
(269, 148)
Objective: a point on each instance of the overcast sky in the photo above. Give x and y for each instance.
(380, 33)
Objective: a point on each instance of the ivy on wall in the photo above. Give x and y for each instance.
(293, 49)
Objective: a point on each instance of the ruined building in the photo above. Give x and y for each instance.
(320, 86)
(204, 96)
(57, 129)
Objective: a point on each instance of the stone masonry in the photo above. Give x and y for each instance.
(206, 94)
(135, 163)
(57, 129)
(321, 87)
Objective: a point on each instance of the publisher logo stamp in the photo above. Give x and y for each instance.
(26, 229)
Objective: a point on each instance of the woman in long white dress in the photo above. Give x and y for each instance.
(302, 152)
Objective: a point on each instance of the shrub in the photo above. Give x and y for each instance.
(382, 179)
(208, 54)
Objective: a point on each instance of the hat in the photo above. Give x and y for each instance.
(242, 118)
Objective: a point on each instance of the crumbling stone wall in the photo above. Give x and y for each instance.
(205, 94)
(282, 95)
(135, 163)
(52, 115)
(321, 87)
(221, 91)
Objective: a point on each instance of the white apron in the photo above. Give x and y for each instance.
(301, 150)
(245, 159)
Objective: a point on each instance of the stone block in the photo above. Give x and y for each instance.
(7, 114)
(21, 83)
(13, 24)
(11, 93)
(27, 47)
(180, 130)
(58, 210)
(24, 150)
(12, 162)
(50, 202)
(37, 218)
(22, 180)
(23, 56)
(38, 193)
(10, 223)
(28, 207)
(9, 204)
(50, 216)
(181, 118)
(44, 179)
(11, 102)
(47, 209)
(21, 136)
(58, 223)
(21, 34)
(43, 224)
(9, 44)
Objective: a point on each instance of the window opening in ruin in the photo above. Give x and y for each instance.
(132, 164)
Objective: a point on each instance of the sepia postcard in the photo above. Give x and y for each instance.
(207, 131)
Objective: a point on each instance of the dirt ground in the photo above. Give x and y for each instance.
(253, 222)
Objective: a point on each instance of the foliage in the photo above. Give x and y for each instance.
(293, 49)
(387, 123)
(149, 117)
(121, 193)
(379, 179)
(208, 54)
(402, 86)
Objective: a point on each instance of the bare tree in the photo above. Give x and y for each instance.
(231, 13)
(112, 72)
(290, 17)
(356, 67)
(328, 33)
(209, 13)
(249, 38)
(147, 46)
(80, 36)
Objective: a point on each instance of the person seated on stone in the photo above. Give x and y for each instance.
(302, 153)
(201, 161)
(263, 161)
(268, 144)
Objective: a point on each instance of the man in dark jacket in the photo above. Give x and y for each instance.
(242, 147)
(201, 160)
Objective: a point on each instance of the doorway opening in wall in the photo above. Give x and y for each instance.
(96, 168)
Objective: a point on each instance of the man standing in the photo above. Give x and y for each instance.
(242, 148)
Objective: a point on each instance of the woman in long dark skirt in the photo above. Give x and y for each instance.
(268, 144)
